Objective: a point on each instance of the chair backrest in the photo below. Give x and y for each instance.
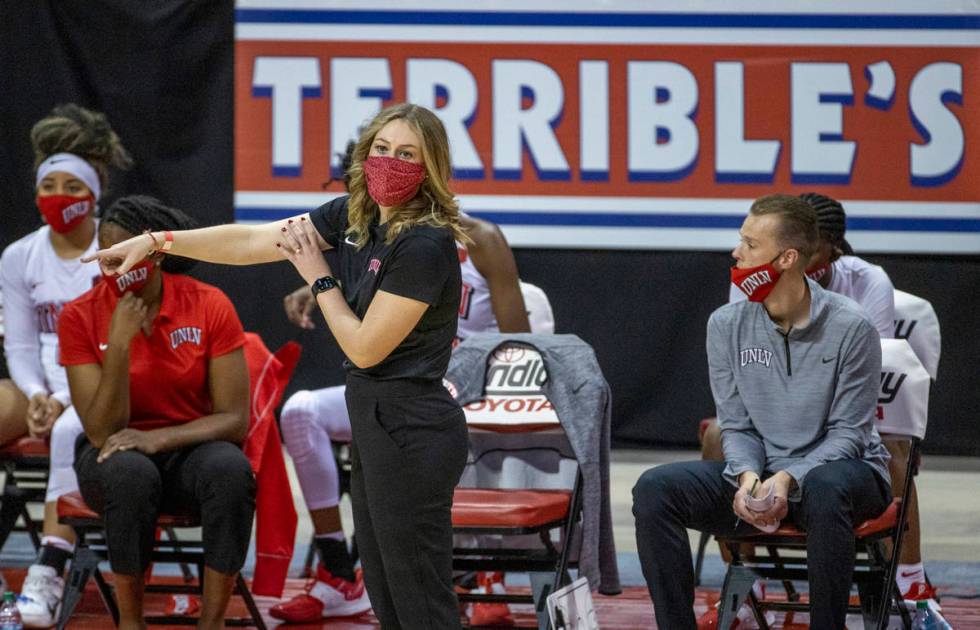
(916, 322)
(539, 312)
(903, 401)
(516, 439)
(514, 400)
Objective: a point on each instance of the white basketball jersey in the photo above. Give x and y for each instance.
(36, 284)
(475, 309)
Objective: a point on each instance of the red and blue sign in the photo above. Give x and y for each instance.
(624, 127)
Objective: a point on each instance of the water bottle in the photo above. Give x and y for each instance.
(926, 619)
(9, 614)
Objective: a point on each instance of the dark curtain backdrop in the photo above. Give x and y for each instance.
(163, 74)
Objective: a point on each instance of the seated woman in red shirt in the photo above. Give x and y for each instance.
(158, 376)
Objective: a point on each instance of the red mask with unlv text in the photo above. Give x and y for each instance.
(817, 272)
(64, 212)
(756, 282)
(133, 280)
(391, 181)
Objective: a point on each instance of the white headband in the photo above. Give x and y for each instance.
(73, 165)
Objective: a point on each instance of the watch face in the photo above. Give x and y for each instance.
(323, 284)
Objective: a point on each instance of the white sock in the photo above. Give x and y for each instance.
(908, 574)
(59, 542)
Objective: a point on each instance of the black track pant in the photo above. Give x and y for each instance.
(211, 480)
(409, 450)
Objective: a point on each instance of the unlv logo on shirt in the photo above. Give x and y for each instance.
(185, 334)
(755, 355)
(47, 316)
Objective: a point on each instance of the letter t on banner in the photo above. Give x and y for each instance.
(358, 90)
(287, 80)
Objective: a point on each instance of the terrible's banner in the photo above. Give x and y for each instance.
(629, 124)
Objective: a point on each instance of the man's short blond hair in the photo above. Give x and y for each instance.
(797, 222)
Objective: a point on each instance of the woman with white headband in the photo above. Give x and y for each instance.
(73, 149)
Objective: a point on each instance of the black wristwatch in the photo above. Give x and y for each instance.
(323, 284)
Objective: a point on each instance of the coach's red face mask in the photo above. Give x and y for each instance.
(133, 280)
(64, 212)
(757, 282)
(391, 181)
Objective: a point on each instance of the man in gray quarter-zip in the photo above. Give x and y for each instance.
(795, 372)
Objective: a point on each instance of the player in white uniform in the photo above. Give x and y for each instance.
(491, 301)
(40, 273)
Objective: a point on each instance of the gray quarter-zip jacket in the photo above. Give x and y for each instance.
(798, 400)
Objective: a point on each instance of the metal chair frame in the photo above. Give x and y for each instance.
(91, 549)
(874, 570)
(25, 482)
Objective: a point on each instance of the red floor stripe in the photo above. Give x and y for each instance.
(629, 611)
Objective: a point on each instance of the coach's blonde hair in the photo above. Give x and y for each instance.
(434, 204)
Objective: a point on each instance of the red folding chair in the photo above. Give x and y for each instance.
(516, 428)
(91, 549)
(782, 556)
(269, 375)
(902, 412)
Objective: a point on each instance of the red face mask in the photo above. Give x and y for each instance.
(64, 212)
(391, 181)
(757, 282)
(133, 280)
(817, 271)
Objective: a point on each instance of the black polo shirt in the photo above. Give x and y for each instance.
(421, 264)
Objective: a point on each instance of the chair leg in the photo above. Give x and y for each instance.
(542, 585)
(107, 596)
(738, 586)
(757, 612)
(12, 504)
(185, 569)
(903, 611)
(246, 595)
(83, 564)
(699, 559)
(869, 595)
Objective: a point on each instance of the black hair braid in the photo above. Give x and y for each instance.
(138, 213)
(831, 219)
(345, 162)
(86, 133)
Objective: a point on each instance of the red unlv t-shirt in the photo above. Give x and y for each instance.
(168, 371)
